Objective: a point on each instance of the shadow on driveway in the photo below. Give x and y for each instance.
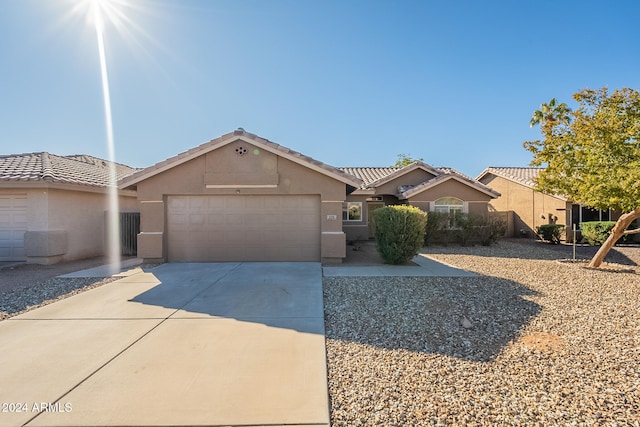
(283, 295)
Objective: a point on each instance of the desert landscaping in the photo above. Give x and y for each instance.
(529, 341)
(533, 339)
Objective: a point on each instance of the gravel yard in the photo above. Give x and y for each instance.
(41, 292)
(25, 287)
(532, 341)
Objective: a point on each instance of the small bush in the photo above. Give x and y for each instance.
(551, 233)
(436, 222)
(491, 230)
(596, 232)
(464, 228)
(399, 232)
(479, 229)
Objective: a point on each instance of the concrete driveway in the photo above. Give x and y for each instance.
(182, 344)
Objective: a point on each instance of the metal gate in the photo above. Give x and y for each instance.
(129, 229)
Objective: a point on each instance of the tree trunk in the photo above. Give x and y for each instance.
(616, 233)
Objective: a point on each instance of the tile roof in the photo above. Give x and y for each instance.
(371, 176)
(80, 169)
(523, 175)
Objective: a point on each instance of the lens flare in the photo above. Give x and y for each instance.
(99, 9)
(113, 18)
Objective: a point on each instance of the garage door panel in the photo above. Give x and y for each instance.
(196, 219)
(272, 203)
(307, 204)
(254, 203)
(176, 203)
(262, 221)
(244, 228)
(13, 225)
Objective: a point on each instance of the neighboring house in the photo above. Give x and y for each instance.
(241, 197)
(417, 184)
(52, 208)
(532, 208)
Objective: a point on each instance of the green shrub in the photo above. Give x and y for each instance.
(399, 232)
(491, 230)
(464, 228)
(551, 233)
(596, 232)
(479, 229)
(436, 222)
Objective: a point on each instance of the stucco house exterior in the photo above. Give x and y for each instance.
(52, 208)
(532, 208)
(418, 184)
(241, 197)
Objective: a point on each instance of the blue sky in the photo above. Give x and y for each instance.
(349, 83)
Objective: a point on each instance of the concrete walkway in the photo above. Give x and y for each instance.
(124, 268)
(425, 266)
(231, 344)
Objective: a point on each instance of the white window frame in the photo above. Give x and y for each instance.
(450, 209)
(347, 206)
(461, 207)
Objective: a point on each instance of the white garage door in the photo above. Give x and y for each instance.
(243, 228)
(13, 224)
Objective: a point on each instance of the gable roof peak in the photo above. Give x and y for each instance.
(241, 134)
(525, 175)
(418, 163)
(410, 191)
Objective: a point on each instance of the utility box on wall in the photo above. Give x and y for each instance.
(45, 246)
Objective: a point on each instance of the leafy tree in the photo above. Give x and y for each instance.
(593, 157)
(405, 160)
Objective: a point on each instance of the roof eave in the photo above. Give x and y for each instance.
(214, 144)
(85, 188)
(437, 181)
(400, 172)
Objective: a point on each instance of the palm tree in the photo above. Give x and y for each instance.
(552, 113)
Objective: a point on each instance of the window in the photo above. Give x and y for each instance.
(352, 211)
(451, 206)
(448, 205)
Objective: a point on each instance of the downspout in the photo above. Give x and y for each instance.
(533, 209)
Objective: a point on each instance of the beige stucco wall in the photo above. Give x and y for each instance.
(223, 171)
(64, 224)
(531, 208)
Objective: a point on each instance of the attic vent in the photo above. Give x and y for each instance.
(241, 151)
